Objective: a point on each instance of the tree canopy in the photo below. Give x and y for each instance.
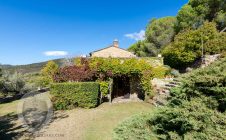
(193, 14)
(47, 73)
(159, 33)
(199, 22)
(187, 45)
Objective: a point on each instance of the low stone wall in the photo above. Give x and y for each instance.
(208, 59)
(203, 62)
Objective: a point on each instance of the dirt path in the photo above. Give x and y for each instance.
(76, 124)
(89, 124)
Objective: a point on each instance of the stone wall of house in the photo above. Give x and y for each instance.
(136, 88)
(113, 52)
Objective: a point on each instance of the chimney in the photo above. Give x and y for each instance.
(115, 43)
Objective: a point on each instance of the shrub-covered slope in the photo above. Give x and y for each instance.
(196, 110)
(29, 68)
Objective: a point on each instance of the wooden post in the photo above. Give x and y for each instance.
(110, 89)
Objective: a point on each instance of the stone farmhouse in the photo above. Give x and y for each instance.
(112, 51)
(124, 88)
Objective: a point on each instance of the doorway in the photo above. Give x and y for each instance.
(121, 87)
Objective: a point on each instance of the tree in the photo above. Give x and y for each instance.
(143, 49)
(159, 33)
(216, 45)
(12, 83)
(221, 20)
(47, 73)
(187, 46)
(193, 14)
(0, 72)
(186, 18)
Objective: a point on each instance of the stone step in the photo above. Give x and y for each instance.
(176, 80)
(175, 83)
(171, 85)
(166, 91)
(166, 88)
(160, 100)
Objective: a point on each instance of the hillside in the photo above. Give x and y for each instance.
(195, 110)
(29, 68)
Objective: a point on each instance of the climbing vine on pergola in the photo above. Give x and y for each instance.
(114, 67)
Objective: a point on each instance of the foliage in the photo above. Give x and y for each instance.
(104, 88)
(70, 95)
(78, 61)
(143, 49)
(103, 69)
(193, 14)
(118, 67)
(47, 73)
(30, 68)
(161, 71)
(190, 120)
(0, 72)
(135, 128)
(33, 80)
(221, 19)
(159, 33)
(187, 46)
(12, 83)
(114, 67)
(50, 69)
(216, 45)
(175, 73)
(210, 82)
(196, 109)
(75, 74)
(186, 17)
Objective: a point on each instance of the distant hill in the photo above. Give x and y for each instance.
(30, 68)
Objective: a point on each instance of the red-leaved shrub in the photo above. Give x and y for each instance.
(75, 74)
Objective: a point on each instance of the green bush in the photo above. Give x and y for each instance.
(209, 82)
(196, 109)
(187, 45)
(160, 71)
(134, 128)
(12, 83)
(104, 88)
(79, 94)
(190, 120)
(117, 67)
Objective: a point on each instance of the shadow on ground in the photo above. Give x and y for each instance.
(11, 128)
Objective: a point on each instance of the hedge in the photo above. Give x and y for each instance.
(75, 94)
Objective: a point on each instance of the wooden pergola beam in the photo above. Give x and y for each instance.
(223, 30)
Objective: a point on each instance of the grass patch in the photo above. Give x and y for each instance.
(8, 108)
(97, 123)
(102, 126)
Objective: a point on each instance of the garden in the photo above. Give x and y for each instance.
(83, 89)
(89, 82)
(195, 110)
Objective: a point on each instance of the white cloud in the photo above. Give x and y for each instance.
(55, 53)
(136, 36)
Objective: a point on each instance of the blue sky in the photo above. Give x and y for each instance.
(38, 30)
